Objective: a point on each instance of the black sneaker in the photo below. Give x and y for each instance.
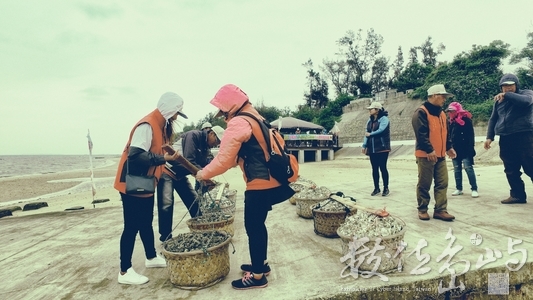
(385, 192)
(247, 268)
(249, 282)
(375, 192)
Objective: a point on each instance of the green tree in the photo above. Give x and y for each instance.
(472, 76)
(306, 113)
(333, 111)
(413, 55)
(413, 76)
(338, 74)
(360, 56)
(429, 53)
(380, 71)
(397, 65)
(526, 78)
(525, 74)
(317, 95)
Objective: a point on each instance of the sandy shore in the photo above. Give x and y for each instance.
(70, 189)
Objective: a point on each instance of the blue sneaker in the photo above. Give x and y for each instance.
(249, 282)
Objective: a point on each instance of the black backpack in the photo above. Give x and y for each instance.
(281, 165)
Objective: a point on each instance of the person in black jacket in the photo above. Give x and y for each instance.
(376, 145)
(463, 141)
(194, 145)
(512, 120)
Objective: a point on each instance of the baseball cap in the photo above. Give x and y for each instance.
(219, 131)
(438, 89)
(375, 105)
(206, 125)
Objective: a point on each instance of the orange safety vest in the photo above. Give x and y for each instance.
(438, 133)
(157, 122)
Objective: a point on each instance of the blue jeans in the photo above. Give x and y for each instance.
(468, 164)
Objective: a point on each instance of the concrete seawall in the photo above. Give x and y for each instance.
(400, 108)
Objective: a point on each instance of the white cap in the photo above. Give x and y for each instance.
(438, 89)
(206, 125)
(219, 131)
(375, 105)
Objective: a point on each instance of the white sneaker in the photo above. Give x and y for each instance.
(457, 193)
(475, 194)
(156, 262)
(131, 277)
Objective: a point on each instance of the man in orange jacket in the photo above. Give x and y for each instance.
(432, 144)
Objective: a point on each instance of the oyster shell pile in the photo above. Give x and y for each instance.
(211, 218)
(209, 203)
(301, 184)
(330, 205)
(317, 193)
(365, 224)
(192, 241)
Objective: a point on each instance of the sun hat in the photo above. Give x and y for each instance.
(438, 89)
(375, 105)
(206, 125)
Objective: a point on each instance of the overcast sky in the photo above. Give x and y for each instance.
(67, 65)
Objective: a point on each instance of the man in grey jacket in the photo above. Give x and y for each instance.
(512, 120)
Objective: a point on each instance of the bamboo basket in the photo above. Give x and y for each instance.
(198, 269)
(298, 186)
(224, 202)
(304, 207)
(222, 225)
(390, 260)
(327, 222)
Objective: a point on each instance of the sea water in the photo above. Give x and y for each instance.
(12, 166)
(18, 165)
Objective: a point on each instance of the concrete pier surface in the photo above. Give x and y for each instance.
(61, 254)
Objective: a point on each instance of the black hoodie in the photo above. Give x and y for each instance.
(514, 114)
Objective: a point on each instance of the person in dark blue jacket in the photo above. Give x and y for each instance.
(512, 120)
(376, 145)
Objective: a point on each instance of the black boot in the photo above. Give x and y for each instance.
(385, 192)
(375, 192)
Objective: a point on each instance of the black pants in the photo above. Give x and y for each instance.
(256, 207)
(379, 163)
(516, 151)
(138, 216)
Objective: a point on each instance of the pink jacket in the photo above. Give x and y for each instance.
(230, 99)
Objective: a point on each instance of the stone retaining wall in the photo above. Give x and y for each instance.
(400, 108)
